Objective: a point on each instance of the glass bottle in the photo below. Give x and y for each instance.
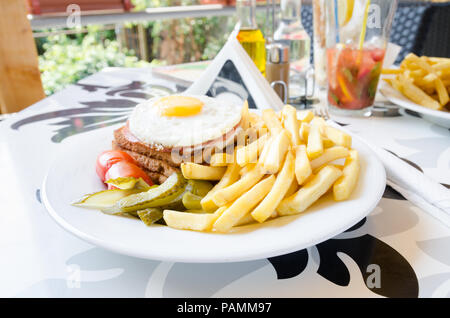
(290, 32)
(250, 36)
(320, 54)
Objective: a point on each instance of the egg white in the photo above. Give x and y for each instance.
(216, 118)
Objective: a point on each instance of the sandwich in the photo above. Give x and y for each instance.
(163, 132)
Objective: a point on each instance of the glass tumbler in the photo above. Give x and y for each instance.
(357, 33)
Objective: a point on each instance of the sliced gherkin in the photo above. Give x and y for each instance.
(103, 199)
(126, 183)
(150, 215)
(192, 201)
(200, 187)
(161, 195)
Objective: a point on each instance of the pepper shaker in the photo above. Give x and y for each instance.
(277, 69)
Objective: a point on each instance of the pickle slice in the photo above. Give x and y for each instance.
(163, 194)
(150, 215)
(200, 187)
(192, 201)
(126, 183)
(103, 199)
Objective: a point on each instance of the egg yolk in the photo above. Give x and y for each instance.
(179, 106)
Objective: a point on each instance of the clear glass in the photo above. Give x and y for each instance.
(246, 12)
(356, 40)
(291, 33)
(319, 41)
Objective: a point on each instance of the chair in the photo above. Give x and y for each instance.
(409, 27)
(434, 33)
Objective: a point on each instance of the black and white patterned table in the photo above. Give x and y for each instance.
(397, 251)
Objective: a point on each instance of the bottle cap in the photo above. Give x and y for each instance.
(277, 53)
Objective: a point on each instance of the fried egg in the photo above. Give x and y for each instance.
(183, 120)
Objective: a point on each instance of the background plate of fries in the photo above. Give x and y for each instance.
(73, 175)
(420, 84)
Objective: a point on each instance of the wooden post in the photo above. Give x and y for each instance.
(20, 79)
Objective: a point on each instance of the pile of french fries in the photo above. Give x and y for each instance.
(424, 80)
(282, 163)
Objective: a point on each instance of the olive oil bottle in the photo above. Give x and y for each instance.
(250, 36)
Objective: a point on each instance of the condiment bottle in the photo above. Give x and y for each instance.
(277, 69)
(250, 36)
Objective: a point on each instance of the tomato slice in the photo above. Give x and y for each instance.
(108, 158)
(126, 169)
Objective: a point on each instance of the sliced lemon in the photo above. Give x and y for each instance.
(345, 11)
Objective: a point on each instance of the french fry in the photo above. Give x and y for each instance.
(221, 159)
(255, 121)
(189, 221)
(244, 170)
(248, 219)
(339, 137)
(242, 206)
(304, 132)
(429, 79)
(440, 66)
(315, 145)
(388, 80)
(245, 220)
(199, 172)
(397, 85)
(282, 184)
(265, 151)
(250, 153)
(435, 60)
(310, 192)
(245, 114)
(327, 143)
(235, 190)
(302, 165)
(291, 123)
(276, 153)
(292, 188)
(394, 71)
(442, 92)
(231, 176)
(272, 122)
(319, 121)
(345, 185)
(416, 74)
(419, 96)
(421, 63)
(329, 155)
(305, 116)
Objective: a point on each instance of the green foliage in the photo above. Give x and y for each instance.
(68, 59)
(65, 59)
(202, 37)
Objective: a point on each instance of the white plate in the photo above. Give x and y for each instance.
(73, 174)
(438, 117)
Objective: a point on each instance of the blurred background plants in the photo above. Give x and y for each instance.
(66, 58)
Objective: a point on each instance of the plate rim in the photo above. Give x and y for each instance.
(125, 249)
(388, 91)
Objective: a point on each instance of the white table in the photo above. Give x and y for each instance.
(404, 245)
